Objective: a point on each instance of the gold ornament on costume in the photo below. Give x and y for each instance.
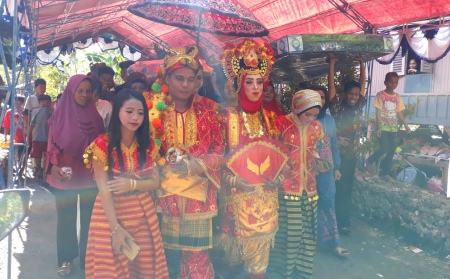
(158, 100)
(183, 55)
(258, 170)
(252, 123)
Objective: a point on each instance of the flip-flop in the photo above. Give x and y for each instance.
(341, 252)
(345, 230)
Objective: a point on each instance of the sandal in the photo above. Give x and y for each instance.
(65, 270)
(341, 252)
(345, 230)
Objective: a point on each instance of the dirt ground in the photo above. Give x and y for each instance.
(376, 251)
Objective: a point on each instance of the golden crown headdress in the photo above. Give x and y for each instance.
(249, 57)
(183, 55)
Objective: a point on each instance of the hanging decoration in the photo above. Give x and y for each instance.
(107, 44)
(48, 56)
(66, 49)
(427, 44)
(83, 44)
(130, 53)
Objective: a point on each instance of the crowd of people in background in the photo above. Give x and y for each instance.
(172, 184)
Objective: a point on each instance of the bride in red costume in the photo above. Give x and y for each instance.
(249, 198)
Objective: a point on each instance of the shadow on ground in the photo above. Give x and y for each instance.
(376, 252)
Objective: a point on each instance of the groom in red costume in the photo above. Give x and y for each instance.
(191, 178)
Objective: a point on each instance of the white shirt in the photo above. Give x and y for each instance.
(31, 104)
(104, 108)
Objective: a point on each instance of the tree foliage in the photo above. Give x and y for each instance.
(77, 62)
(111, 59)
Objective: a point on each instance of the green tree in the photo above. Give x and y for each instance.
(111, 59)
(56, 79)
(78, 62)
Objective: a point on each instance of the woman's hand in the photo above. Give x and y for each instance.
(337, 175)
(57, 174)
(243, 184)
(120, 185)
(118, 240)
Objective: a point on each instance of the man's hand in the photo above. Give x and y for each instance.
(273, 184)
(195, 169)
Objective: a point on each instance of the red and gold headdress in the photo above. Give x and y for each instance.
(249, 57)
(179, 57)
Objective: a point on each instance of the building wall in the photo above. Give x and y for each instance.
(434, 106)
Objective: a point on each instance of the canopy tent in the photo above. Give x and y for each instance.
(60, 22)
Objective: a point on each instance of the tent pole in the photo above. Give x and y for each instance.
(198, 28)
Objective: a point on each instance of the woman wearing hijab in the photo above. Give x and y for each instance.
(75, 123)
(249, 195)
(295, 241)
(270, 103)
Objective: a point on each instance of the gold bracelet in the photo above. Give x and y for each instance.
(115, 229)
(131, 185)
(134, 184)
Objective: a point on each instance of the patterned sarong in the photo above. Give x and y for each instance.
(192, 235)
(295, 241)
(137, 215)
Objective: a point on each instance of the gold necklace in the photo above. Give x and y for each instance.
(252, 123)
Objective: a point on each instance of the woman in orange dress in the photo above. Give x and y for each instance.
(124, 168)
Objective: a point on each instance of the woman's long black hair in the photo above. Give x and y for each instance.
(323, 110)
(114, 129)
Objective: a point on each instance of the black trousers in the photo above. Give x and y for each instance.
(67, 244)
(388, 144)
(344, 188)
